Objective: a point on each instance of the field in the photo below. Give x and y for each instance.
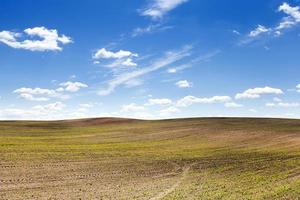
(200, 158)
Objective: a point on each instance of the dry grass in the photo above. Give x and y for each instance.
(205, 158)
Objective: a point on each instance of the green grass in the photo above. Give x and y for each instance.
(229, 158)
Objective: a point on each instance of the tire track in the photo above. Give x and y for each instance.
(168, 191)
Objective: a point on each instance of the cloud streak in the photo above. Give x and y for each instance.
(169, 58)
(158, 8)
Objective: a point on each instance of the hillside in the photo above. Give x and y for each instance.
(112, 158)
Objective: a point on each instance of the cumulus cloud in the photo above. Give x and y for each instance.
(183, 84)
(43, 94)
(73, 86)
(162, 101)
(35, 94)
(50, 40)
(158, 8)
(121, 57)
(106, 54)
(132, 108)
(292, 18)
(293, 12)
(189, 100)
(257, 92)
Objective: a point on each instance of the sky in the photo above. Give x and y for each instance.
(149, 59)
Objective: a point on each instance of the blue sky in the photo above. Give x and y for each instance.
(149, 59)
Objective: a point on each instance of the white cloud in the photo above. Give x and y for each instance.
(291, 20)
(158, 8)
(189, 100)
(129, 62)
(203, 58)
(283, 104)
(257, 92)
(84, 107)
(169, 111)
(270, 104)
(132, 108)
(43, 94)
(52, 107)
(253, 110)
(233, 105)
(73, 86)
(123, 78)
(121, 57)
(36, 112)
(31, 97)
(294, 12)
(259, 30)
(276, 99)
(172, 70)
(298, 88)
(286, 22)
(236, 32)
(50, 39)
(152, 28)
(35, 94)
(105, 54)
(133, 83)
(163, 101)
(183, 84)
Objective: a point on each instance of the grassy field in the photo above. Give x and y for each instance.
(204, 158)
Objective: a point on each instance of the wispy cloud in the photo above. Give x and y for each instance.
(283, 105)
(203, 58)
(152, 28)
(169, 58)
(158, 8)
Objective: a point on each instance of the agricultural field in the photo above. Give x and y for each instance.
(111, 158)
